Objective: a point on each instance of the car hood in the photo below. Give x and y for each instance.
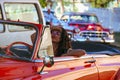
(84, 24)
(89, 26)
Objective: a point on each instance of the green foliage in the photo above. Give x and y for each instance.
(43, 3)
(94, 3)
(100, 3)
(66, 3)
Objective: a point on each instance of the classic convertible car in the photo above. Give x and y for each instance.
(22, 59)
(86, 27)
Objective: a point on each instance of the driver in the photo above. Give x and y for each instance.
(61, 43)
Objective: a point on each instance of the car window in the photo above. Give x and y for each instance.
(93, 19)
(17, 33)
(14, 28)
(75, 17)
(83, 18)
(1, 27)
(19, 40)
(22, 12)
(0, 13)
(78, 18)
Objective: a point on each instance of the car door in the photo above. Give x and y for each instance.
(72, 68)
(106, 56)
(107, 66)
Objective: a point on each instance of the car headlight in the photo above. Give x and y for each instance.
(111, 31)
(77, 30)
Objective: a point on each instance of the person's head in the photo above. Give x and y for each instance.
(56, 33)
(48, 11)
(60, 37)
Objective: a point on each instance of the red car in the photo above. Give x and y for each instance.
(86, 27)
(22, 59)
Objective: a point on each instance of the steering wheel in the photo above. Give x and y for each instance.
(8, 51)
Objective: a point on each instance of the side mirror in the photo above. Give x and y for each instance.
(48, 61)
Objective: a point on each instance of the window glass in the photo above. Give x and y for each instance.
(18, 42)
(14, 28)
(93, 19)
(21, 12)
(1, 28)
(79, 18)
(1, 25)
(75, 17)
(0, 13)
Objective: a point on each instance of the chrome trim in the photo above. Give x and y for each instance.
(94, 34)
(37, 61)
(57, 59)
(68, 58)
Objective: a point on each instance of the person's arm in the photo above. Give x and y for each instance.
(75, 52)
(33, 37)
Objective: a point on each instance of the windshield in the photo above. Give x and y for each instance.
(21, 12)
(16, 40)
(84, 18)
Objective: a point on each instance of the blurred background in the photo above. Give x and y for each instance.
(107, 11)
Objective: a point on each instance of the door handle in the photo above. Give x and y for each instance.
(91, 61)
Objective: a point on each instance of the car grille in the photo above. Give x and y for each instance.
(93, 34)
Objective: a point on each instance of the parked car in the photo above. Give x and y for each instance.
(86, 27)
(23, 60)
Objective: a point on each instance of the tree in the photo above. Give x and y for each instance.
(43, 3)
(100, 3)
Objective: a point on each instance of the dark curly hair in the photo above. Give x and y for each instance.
(65, 42)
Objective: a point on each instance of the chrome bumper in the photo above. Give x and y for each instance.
(93, 36)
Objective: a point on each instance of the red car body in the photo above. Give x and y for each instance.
(17, 64)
